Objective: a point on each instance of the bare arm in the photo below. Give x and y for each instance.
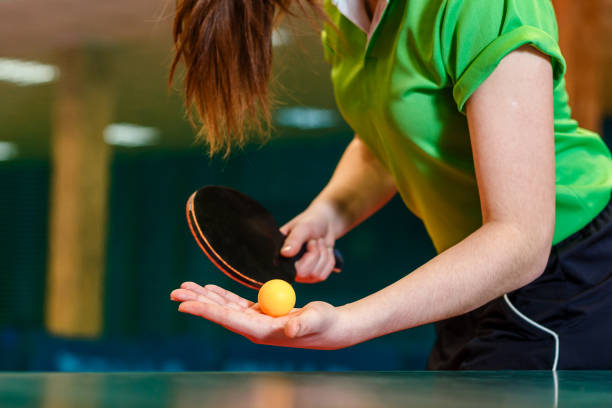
(359, 187)
(511, 126)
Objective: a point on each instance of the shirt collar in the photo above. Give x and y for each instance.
(355, 11)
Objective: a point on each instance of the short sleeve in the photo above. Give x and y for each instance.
(476, 35)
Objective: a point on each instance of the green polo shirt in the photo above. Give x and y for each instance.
(402, 87)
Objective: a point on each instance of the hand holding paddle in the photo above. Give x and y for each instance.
(315, 229)
(242, 239)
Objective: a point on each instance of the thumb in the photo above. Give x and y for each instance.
(308, 322)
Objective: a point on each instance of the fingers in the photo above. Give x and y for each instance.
(305, 266)
(229, 296)
(193, 287)
(202, 292)
(233, 320)
(215, 292)
(191, 291)
(317, 264)
(329, 266)
(326, 262)
(184, 295)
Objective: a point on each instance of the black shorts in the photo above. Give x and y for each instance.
(562, 320)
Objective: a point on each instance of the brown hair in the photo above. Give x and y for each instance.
(226, 47)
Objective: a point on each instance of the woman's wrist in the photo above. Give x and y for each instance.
(338, 218)
(349, 327)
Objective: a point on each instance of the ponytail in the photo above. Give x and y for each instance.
(226, 48)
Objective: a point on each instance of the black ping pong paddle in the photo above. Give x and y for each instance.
(241, 237)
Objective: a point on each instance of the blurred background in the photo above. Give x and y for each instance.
(97, 161)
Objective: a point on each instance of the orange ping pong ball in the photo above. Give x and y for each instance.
(276, 298)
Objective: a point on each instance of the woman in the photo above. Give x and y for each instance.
(460, 106)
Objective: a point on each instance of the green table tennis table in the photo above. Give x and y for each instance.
(311, 389)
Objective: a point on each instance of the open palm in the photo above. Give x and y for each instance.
(309, 327)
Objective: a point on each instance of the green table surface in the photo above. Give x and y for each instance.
(313, 389)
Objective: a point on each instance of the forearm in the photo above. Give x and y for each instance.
(510, 118)
(494, 260)
(359, 187)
